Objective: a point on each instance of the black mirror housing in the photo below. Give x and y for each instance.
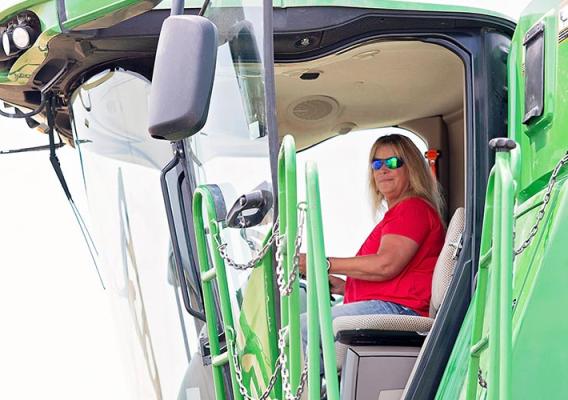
(183, 77)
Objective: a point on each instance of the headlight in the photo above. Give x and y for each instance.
(7, 42)
(22, 37)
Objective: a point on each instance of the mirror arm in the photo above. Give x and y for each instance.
(173, 235)
(187, 237)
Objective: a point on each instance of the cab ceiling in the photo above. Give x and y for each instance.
(377, 84)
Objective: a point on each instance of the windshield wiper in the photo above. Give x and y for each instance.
(31, 149)
(61, 177)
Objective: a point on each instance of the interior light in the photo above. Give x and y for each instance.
(22, 37)
(6, 43)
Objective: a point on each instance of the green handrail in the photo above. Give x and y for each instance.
(288, 225)
(318, 270)
(498, 257)
(202, 218)
(480, 298)
(501, 362)
(313, 351)
(205, 220)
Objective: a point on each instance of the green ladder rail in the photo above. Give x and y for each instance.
(205, 220)
(319, 307)
(496, 257)
(288, 226)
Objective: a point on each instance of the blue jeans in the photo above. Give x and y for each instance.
(359, 308)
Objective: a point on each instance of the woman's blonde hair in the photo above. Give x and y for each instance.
(422, 183)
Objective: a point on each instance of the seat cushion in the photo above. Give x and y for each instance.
(385, 322)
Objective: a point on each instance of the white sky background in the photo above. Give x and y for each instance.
(56, 336)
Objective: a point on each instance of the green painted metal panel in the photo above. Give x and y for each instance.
(538, 360)
(431, 6)
(45, 9)
(452, 385)
(542, 141)
(103, 13)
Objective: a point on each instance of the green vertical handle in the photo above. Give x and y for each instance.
(317, 252)
(506, 190)
(288, 220)
(313, 350)
(480, 298)
(497, 256)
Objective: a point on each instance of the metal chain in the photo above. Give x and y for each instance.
(222, 247)
(283, 360)
(286, 287)
(280, 366)
(545, 201)
(482, 382)
(239, 375)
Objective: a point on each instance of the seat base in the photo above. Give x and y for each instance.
(372, 372)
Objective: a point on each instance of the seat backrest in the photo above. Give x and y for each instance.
(444, 269)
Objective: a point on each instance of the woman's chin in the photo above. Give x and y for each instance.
(386, 188)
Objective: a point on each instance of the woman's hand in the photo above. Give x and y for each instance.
(302, 264)
(336, 285)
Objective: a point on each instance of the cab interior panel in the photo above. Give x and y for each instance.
(410, 84)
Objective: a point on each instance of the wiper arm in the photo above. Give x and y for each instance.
(61, 177)
(31, 149)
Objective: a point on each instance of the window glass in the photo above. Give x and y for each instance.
(232, 149)
(342, 161)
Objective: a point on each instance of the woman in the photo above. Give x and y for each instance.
(392, 271)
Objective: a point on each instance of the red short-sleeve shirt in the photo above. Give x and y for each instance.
(412, 288)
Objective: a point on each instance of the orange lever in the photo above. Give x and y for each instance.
(432, 156)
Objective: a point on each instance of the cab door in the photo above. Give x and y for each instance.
(234, 152)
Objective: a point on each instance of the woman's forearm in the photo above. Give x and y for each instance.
(373, 267)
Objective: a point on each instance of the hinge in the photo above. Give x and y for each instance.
(457, 245)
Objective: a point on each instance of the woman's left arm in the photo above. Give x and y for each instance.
(394, 253)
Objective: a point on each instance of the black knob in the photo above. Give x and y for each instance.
(502, 144)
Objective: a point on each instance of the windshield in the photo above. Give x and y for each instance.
(110, 119)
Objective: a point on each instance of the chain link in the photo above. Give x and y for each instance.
(545, 201)
(239, 375)
(482, 382)
(285, 289)
(222, 247)
(281, 362)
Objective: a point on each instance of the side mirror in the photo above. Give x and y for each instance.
(183, 77)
